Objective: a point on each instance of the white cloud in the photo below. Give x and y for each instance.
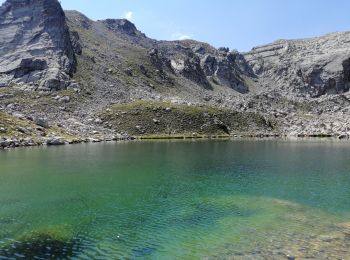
(181, 36)
(185, 37)
(128, 15)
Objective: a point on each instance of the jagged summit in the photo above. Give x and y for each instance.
(35, 45)
(124, 26)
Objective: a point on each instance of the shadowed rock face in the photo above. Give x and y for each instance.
(227, 68)
(207, 66)
(35, 45)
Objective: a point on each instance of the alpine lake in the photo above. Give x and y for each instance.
(204, 199)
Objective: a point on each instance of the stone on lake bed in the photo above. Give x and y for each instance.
(39, 244)
(141, 252)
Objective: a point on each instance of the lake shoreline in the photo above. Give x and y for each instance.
(6, 144)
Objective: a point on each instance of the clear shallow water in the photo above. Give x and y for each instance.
(173, 200)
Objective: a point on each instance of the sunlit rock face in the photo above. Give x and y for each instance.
(35, 45)
(307, 67)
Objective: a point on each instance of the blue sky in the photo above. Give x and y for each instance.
(238, 24)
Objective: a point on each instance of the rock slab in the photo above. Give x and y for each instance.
(35, 45)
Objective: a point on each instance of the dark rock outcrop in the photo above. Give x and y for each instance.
(191, 69)
(207, 66)
(35, 45)
(76, 43)
(227, 69)
(122, 25)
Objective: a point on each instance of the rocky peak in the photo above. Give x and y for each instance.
(122, 25)
(35, 45)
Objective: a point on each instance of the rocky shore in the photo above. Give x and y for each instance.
(6, 143)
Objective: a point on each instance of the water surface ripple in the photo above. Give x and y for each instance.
(176, 200)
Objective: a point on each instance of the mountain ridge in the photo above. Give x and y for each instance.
(86, 68)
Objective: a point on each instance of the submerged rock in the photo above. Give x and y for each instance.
(142, 252)
(52, 243)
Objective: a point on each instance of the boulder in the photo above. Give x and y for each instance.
(343, 136)
(41, 122)
(4, 143)
(55, 141)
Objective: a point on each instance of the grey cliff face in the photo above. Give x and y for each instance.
(227, 68)
(35, 45)
(207, 66)
(309, 68)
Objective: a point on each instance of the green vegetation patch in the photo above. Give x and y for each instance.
(152, 119)
(20, 128)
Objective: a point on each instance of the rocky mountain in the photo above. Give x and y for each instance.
(85, 78)
(309, 67)
(35, 46)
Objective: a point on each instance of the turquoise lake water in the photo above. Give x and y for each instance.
(173, 199)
